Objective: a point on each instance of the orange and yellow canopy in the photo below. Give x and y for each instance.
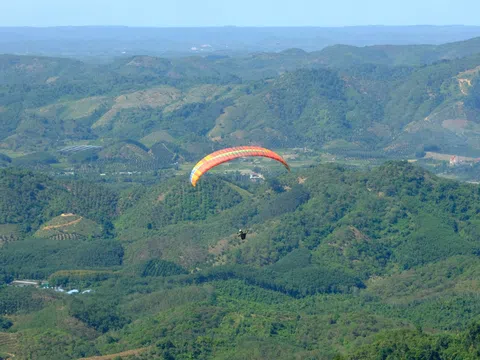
(221, 156)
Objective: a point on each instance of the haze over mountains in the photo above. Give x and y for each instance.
(104, 43)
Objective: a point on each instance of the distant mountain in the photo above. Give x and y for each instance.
(146, 112)
(104, 43)
(365, 107)
(345, 55)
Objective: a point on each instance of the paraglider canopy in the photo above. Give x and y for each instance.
(221, 156)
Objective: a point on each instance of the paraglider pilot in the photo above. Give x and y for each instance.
(242, 234)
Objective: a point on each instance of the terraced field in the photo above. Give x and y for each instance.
(68, 226)
(8, 344)
(8, 233)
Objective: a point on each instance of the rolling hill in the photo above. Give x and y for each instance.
(416, 98)
(338, 262)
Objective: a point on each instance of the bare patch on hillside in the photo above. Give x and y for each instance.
(470, 72)
(452, 117)
(198, 94)
(122, 354)
(73, 109)
(219, 248)
(301, 180)
(465, 79)
(154, 98)
(223, 246)
(70, 223)
(446, 157)
(455, 124)
(464, 84)
(454, 111)
(51, 79)
(396, 147)
(358, 234)
(9, 342)
(221, 124)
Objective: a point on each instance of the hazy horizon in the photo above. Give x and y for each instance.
(248, 13)
(235, 26)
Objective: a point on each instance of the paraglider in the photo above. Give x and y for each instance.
(221, 156)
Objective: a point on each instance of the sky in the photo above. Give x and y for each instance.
(180, 13)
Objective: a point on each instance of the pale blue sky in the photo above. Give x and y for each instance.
(168, 13)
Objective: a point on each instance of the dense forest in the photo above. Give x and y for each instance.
(339, 264)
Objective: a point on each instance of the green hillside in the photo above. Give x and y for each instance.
(29, 199)
(339, 263)
(68, 226)
(345, 56)
(183, 108)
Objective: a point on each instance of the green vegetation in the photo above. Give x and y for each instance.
(146, 113)
(29, 199)
(375, 258)
(338, 263)
(412, 344)
(37, 259)
(68, 226)
(157, 267)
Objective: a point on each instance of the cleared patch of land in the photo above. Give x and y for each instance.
(455, 124)
(76, 221)
(156, 137)
(446, 157)
(222, 122)
(68, 226)
(155, 98)
(465, 79)
(72, 110)
(113, 356)
(199, 94)
(8, 344)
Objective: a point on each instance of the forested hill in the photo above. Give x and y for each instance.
(337, 262)
(341, 100)
(345, 56)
